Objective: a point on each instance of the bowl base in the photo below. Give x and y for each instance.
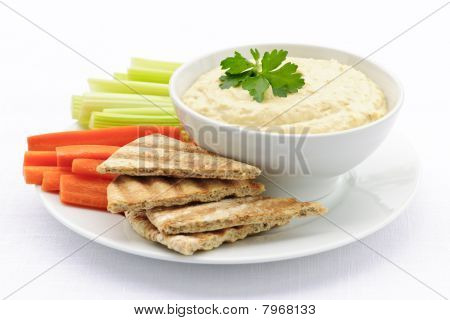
(305, 188)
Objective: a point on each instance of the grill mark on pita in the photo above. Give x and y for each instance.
(128, 190)
(202, 184)
(229, 183)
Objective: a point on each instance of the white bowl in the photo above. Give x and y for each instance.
(311, 162)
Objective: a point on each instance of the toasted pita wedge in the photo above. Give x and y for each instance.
(187, 244)
(158, 155)
(128, 193)
(229, 213)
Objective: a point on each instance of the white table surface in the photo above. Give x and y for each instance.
(38, 76)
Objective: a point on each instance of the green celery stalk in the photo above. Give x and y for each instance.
(149, 75)
(123, 96)
(153, 64)
(143, 111)
(96, 101)
(151, 122)
(76, 106)
(105, 120)
(120, 76)
(136, 119)
(127, 86)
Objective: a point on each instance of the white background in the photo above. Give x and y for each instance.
(38, 75)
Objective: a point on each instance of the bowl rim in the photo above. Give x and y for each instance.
(179, 104)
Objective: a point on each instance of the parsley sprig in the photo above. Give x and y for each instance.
(257, 77)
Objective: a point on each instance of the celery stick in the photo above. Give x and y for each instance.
(149, 75)
(120, 76)
(104, 120)
(125, 118)
(108, 125)
(127, 86)
(125, 104)
(76, 106)
(86, 114)
(87, 110)
(95, 101)
(143, 111)
(124, 96)
(153, 64)
(94, 124)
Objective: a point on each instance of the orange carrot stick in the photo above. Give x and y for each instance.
(65, 155)
(117, 136)
(39, 158)
(81, 184)
(83, 191)
(35, 174)
(83, 199)
(88, 167)
(50, 181)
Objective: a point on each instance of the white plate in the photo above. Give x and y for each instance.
(368, 198)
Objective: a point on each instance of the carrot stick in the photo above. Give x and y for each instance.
(39, 158)
(35, 174)
(117, 136)
(88, 167)
(50, 181)
(81, 184)
(83, 191)
(84, 199)
(65, 155)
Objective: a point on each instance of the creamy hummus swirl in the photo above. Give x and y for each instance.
(322, 105)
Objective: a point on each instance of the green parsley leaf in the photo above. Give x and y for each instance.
(272, 60)
(233, 80)
(256, 86)
(255, 54)
(257, 77)
(236, 64)
(285, 80)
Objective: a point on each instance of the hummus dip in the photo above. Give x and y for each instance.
(321, 105)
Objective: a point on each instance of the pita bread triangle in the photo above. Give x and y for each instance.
(127, 193)
(159, 155)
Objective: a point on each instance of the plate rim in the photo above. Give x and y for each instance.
(174, 257)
